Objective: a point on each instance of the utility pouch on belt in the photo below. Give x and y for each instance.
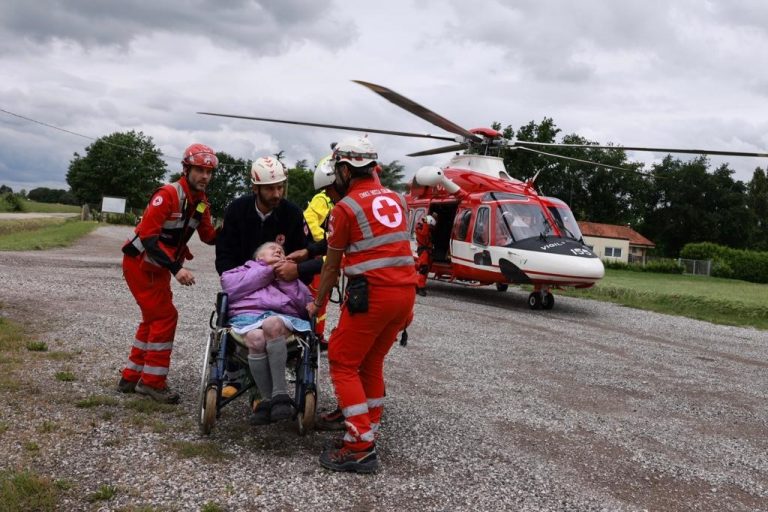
(357, 295)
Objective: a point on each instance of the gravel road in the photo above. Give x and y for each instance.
(492, 406)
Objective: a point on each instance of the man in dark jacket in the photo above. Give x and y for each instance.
(264, 216)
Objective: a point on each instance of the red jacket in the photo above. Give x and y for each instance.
(423, 237)
(171, 217)
(370, 226)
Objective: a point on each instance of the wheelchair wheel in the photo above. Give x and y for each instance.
(305, 418)
(203, 404)
(208, 412)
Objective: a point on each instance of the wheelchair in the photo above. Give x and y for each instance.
(224, 347)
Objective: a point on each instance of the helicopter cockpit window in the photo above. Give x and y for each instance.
(482, 225)
(520, 221)
(566, 221)
(462, 225)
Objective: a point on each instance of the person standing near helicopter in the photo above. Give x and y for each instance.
(368, 226)
(424, 248)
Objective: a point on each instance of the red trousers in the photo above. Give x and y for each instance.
(423, 263)
(150, 354)
(356, 352)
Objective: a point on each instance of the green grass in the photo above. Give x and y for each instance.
(47, 427)
(22, 490)
(53, 235)
(10, 226)
(205, 450)
(35, 207)
(95, 401)
(721, 301)
(147, 406)
(65, 376)
(31, 446)
(13, 339)
(59, 355)
(37, 346)
(103, 493)
(12, 336)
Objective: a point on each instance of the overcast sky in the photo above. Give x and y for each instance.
(687, 73)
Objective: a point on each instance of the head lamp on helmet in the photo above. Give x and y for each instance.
(200, 155)
(267, 171)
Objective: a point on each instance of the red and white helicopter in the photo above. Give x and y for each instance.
(493, 228)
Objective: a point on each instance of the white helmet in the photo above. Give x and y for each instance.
(323, 173)
(356, 151)
(267, 171)
(430, 220)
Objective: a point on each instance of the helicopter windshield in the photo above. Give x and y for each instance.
(516, 221)
(566, 221)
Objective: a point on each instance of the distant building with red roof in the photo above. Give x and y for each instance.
(616, 243)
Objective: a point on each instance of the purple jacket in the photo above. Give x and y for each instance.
(252, 288)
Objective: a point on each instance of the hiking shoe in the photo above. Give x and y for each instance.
(281, 408)
(422, 291)
(261, 413)
(344, 459)
(335, 443)
(161, 395)
(333, 420)
(126, 386)
(230, 389)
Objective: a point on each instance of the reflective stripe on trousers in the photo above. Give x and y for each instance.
(356, 353)
(150, 354)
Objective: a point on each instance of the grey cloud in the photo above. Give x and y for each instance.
(258, 25)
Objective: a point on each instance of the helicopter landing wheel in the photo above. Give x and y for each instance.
(534, 300)
(502, 287)
(547, 301)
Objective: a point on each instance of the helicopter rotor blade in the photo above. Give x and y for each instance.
(437, 151)
(338, 127)
(571, 158)
(521, 143)
(419, 110)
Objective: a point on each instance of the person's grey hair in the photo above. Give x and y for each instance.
(261, 248)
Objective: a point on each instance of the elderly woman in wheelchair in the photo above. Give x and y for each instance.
(264, 311)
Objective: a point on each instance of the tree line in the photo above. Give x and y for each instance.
(673, 203)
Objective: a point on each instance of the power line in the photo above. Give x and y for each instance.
(160, 153)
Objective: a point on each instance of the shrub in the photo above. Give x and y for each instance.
(741, 264)
(663, 266)
(617, 265)
(11, 203)
(129, 219)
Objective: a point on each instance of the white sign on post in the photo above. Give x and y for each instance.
(113, 205)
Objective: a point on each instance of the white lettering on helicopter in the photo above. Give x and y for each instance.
(581, 252)
(552, 245)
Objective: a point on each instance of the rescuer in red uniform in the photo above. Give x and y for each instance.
(157, 251)
(424, 249)
(368, 226)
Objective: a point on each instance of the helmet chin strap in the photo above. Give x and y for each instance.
(340, 184)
